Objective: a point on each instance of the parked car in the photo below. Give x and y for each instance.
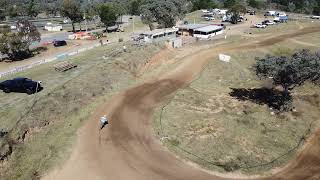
(281, 14)
(242, 18)
(207, 15)
(251, 12)
(59, 43)
(315, 17)
(259, 25)
(21, 84)
(209, 18)
(270, 13)
(13, 27)
(115, 28)
(268, 22)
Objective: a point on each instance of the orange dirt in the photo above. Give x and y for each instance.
(127, 148)
(156, 59)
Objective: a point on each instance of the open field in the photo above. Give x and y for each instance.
(46, 122)
(204, 124)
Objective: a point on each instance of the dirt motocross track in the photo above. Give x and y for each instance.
(128, 150)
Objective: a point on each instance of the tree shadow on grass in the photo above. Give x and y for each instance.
(277, 100)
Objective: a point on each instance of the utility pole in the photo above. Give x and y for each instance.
(132, 24)
(85, 20)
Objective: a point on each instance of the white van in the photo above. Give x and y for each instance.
(270, 13)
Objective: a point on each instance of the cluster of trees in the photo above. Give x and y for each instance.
(299, 6)
(77, 11)
(30, 8)
(204, 4)
(290, 71)
(287, 72)
(16, 45)
(53, 7)
(164, 12)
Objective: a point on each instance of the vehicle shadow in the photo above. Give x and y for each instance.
(24, 92)
(275, 99)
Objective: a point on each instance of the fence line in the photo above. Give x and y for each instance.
(43, 61)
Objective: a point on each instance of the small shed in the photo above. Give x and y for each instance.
(175, 42)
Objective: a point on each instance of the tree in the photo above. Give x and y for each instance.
(203, 4)
(235, 11)
(230, 3)
(147, 17)
(256, 4)
(253, 3)
(290, 71)
(16, 45)
(183, 7)
(32, 10)
(291, 7)
(71, 9)
(50, 7)
(108, 14)
(119, 9)
(164, 12)
(316, 10)
(134, 7)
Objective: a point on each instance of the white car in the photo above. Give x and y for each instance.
(13, 27)
(209, 18)
(259, 25)
(268, 22)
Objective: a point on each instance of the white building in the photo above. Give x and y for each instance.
(208, 32)
(158, 33)
(53, 27)
(202, 31)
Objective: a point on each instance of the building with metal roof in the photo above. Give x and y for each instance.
(201, 30)
(208, 29)
(192, 26)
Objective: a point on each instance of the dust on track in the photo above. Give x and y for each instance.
(127, 149)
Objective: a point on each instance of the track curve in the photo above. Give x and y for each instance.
(127, 148)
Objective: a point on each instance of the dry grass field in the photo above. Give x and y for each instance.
(206, 125)
(42, 126)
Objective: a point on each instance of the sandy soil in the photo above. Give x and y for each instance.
(127, 148)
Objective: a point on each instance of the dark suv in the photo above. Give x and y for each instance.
(59, 43)
(24, 85)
